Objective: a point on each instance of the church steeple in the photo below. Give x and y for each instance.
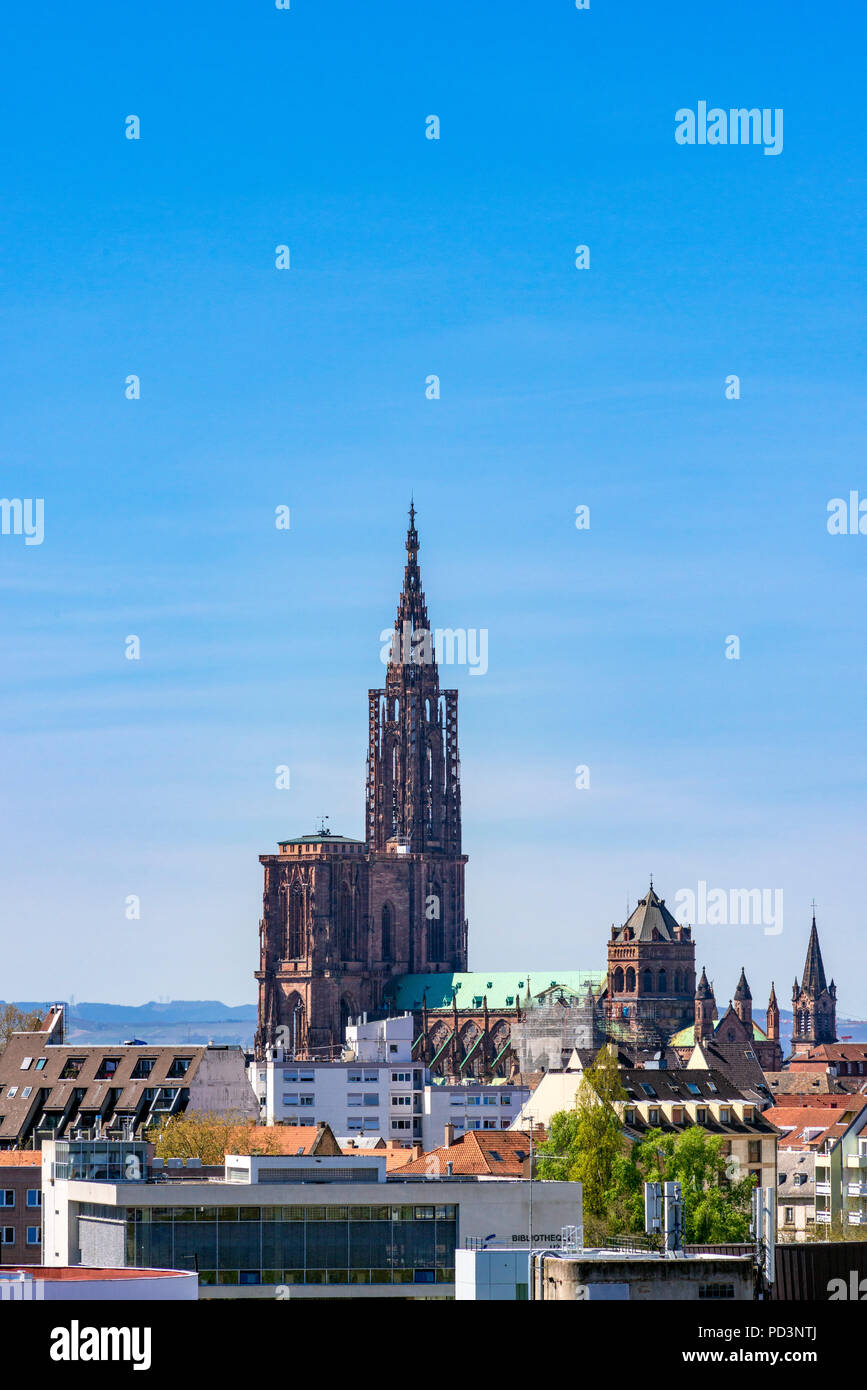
(413, 792)
(814, 1002)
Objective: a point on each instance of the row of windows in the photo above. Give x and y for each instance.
(443, 1275)
(7, 1197)
(145, 1215)
(300, 1246)
(7, 1235)
(481, 1100)
(356, 1077)
(624, 981)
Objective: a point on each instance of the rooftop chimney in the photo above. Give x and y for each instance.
(450, 1136)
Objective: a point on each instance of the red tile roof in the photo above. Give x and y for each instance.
(485, 1153)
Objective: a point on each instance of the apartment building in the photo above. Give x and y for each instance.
(51, 1088)
(377, 1090)
(831, 1132)
(20, 1208)
(673, 1101)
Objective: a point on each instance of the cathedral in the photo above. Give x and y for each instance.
(341, 917)
(376, 926)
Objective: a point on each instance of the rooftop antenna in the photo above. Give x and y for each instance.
(322, 828)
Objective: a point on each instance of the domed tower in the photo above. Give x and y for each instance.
(651, 974)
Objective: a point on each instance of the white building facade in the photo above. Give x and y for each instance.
(377, 1090)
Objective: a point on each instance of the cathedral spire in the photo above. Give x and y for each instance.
(814, 971)
(413, 792)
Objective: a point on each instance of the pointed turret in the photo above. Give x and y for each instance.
(814, 1002)
(704, 1009)
(743, 1002)
(814, 970)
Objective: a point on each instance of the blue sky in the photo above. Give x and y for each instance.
(306, 387)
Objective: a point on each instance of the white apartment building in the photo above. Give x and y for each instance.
(377, 1090)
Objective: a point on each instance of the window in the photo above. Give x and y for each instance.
(354, 1124)
(107, 1067)
(505, 1100)
(368, 1076)
(401, 1076)
(648, 1090)
(398, 1100)
(26, 1064)
(292, 1098)
(353, 1077)
(701, 1115)
(143, 1068)
(716, 1290)
(13, 1091)
(724, 1114)
(40, 1064)
(474, 1100)
(489, 1124)
(27, 1093)
(353, 1098)
(7, 1197)
(788, 1216)
(489, 1100)
(401, 1124)
(755, 1151)
(178, 1068)
(504, 1124)
(693, 1089)
(653, 1115)
(34, 1197)
(471, 1124)
(630, 1117)
(305, 1099)
(711, 1087)
(7, 1235)
(290, 1076)
(371, 1122)
(34, 1235)
(304, 1075)
(677, 1115)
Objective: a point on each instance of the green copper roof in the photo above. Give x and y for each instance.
(504, 989)
(686, 1036)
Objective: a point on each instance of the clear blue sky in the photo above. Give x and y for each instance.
(306, 387)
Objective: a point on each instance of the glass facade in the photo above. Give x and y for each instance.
(409, 1244)
(110, 1160)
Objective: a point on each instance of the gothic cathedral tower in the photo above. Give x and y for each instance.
(341, 917)
(814, 1002)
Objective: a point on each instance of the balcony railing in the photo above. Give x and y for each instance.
(823, 1189)
(823, 1218)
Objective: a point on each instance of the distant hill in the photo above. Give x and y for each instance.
(179, 1021)
(208, 1020)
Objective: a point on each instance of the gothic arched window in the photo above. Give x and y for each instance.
(386, 932)
(618, 981)
(295, 922)
(648, 982)
(435, 935)
(630, 980)
(346, 922)
(662, 984)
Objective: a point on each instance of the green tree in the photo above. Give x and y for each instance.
(15, 1020)
(209, 1136)
(586, 1145)
(716, 1207)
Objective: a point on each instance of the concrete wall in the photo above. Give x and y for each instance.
(221, 1084)
(577, 1280)
(100, 1242)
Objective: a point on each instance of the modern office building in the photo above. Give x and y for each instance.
(286, 1227)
